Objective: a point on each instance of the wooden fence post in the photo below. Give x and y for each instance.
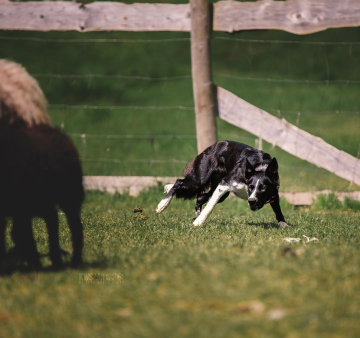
(203, 87)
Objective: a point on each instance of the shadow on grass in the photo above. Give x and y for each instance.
(265, 225)
(14, 263)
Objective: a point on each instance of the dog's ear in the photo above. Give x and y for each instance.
(272, 169)
(249, 169)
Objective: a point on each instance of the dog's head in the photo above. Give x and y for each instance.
(262, 183)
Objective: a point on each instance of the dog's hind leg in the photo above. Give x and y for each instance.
(52, 224)
(203, 198)
(170, 189)
(167, 188)
(200, 201)
(218, 194)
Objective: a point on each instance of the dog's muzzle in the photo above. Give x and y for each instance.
(253, 204)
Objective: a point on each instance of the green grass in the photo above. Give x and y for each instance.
(328, 110)
(234, 276)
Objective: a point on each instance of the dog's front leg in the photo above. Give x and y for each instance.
(220, 191)
(279, 216)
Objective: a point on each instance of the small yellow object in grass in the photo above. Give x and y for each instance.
(295, 240)
(308, 239)
(254, 307)
(125, 312)
(137, 209)
(141, 216)
(276, 314)
(292, 240)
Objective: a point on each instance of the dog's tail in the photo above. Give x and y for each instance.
(22, 102)
(188, 188)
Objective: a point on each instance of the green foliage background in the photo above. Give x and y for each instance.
(328, 109)
(234, 276)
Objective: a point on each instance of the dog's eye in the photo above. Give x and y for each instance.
(251, 187)
(263, 189)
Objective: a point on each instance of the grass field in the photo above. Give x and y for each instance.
(158, 276)
(150, 141)
(234, 276)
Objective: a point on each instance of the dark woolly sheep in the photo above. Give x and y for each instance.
(40, 170)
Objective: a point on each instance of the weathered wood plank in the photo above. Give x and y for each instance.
(288, 137)
(124, 184)
(133, 185)
(306, 198)
(294, 16)
(203, 87)
(97, 16)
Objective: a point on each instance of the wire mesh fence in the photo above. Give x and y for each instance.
(126, 98)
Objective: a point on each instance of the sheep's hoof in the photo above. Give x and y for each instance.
(75, 262)
(3, 267)
(64, 252)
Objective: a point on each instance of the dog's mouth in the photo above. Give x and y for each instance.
(255, 207)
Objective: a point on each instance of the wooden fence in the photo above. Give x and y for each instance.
(295, 16)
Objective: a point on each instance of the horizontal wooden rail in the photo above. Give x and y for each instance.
(96, 16)
(133, 185)
(286, 136)
(295, 16)
(125, 184)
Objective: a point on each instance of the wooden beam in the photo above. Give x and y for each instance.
(97, 16)
(203, 87)
(295, 16)
(133, 185)
(286, 136)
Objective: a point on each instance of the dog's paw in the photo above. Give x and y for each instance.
(198, 221)
(282, 225)
(197, 214)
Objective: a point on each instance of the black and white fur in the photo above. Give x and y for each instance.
(225, 167)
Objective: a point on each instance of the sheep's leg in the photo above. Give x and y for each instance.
(52, 224)
(2, 246)
(76, 229)
(23, 237)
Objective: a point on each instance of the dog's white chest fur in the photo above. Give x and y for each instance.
(239, 189)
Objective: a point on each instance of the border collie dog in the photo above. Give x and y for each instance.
(225, 167)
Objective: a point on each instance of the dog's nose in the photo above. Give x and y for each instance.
(251, 201)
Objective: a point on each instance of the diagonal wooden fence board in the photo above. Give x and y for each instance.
(295, 16)
(286, 136)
